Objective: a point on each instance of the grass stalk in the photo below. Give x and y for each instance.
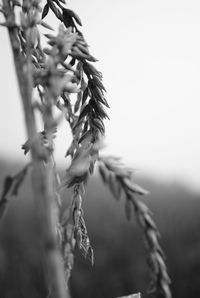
(42, 173)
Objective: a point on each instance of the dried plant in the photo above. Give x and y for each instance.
(55, 74)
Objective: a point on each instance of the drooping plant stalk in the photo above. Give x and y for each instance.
(119, 180)
(56, 72)
(42, 171)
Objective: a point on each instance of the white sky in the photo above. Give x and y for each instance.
(149, 54)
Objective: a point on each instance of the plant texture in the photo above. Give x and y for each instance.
(62, 76)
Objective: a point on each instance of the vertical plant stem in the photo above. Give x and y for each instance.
(42, 178)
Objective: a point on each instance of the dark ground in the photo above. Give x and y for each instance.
(120, 265)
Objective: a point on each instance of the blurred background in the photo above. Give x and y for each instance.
(148, 52)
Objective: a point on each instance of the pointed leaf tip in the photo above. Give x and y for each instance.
(45, 10)
(135, 188)
(73, 15)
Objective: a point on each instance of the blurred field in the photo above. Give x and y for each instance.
(120, 265)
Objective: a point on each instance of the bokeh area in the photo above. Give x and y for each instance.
(148, 53)
(120, 257)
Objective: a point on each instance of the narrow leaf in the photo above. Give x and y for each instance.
(45, 10)
(149, 221)
(78, 101)
(44, 24)
(99, 125)
(19, 180)
(67, 19)
(114, 186)
(8, 182)
(103, 173)
(91, 58)
(87, 136)
(135, 188)
(3, 207)
(55, 10)
(84, 112)
(85, 95)
(72, 14)
(88, 67)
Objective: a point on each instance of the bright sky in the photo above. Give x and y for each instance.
(149, 54)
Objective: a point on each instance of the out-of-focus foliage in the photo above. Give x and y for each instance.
(120, 267)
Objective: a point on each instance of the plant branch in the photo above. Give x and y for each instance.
(42, 175)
